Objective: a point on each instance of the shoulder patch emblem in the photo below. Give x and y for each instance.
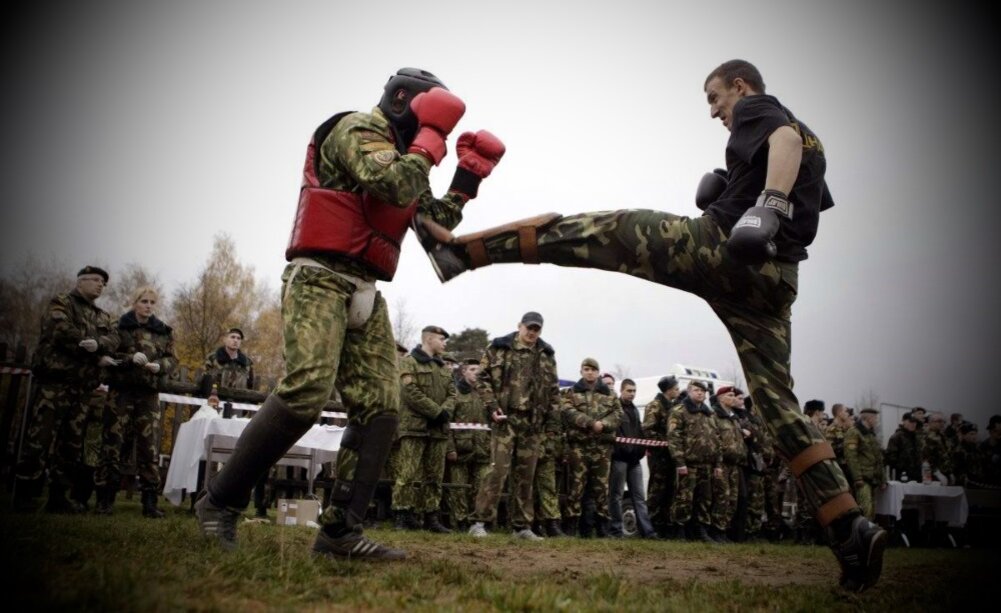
(384, 157)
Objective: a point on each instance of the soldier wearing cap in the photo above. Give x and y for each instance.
(228, 365)
(77, 339)
(428, 393)
(663, 476)
(520, 388)
(695, 447)
(468, 450)
(964, 455)
(903, 450)
(733, 449)
(864, 458)
(591, 415)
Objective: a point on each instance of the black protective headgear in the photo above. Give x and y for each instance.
(399, 92)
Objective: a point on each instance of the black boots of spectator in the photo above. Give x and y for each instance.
(59, 503)
(406, 520)
(553, 528)
(149, 505)
(432, 523)
(105, 500)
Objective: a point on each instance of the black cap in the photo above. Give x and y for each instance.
(400, 348)
(436, 330)
(471, 362)
(668, 382)
(699, 384)
(532, 318)
(237, 330)
(967, 427)
(812, 406)
(93, 270)
(869, 410)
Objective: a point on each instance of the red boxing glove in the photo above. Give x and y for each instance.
(479, 153)
(437, 111)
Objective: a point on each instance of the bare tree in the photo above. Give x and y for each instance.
(404, 328)
(621, 372)
(736, 374)
(867, 399)
(117, 297)
(264, 338)
(24, 294)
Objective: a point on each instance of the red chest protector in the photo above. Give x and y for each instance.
(357, 226)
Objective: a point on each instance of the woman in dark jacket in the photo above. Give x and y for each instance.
(145, 353)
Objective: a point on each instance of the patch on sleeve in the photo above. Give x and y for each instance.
(384, 157)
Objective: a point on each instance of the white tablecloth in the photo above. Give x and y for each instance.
(189, 450)
(944, 502)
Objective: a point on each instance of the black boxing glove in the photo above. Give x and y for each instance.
(710, 188)
(750, 239)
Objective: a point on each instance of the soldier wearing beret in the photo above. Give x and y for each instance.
(865, 460)
(228, 365)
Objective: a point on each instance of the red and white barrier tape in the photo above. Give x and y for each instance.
(10, 370)
(640, 441)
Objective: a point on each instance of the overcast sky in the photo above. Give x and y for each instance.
(136, 131)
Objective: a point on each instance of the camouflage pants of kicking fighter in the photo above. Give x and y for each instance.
(320, 350)
(514, 450)
(753, 302)
(420, 468)
(547, 497)
(136, 411)
(54, 436)
(459, 498)
(694, 497)
(590, 467)
(726, 490)
(660, 489)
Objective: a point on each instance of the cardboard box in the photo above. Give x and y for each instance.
(298, 512)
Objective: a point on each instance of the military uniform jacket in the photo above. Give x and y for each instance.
(427, 389)
(69, 319)
(835, 435)
(759, 444)
(903, 454)
(964, 463)
(864, 456)
(154, 339)
(936, 451)
(584, 405)
(230, 373)
(469, 445)
(693, 438)
(521, 382)
(731, 439)
(655, 421)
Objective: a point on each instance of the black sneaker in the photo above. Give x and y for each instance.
(861, 555)
(354, 546)
(445, 258)
(217, 522)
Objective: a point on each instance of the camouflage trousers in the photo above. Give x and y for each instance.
(419, 470)
(753, 302)
(660, 489)
(864, 495)
(547, 496)
(54, 436)
(130, 413)
(694, 497)
(590, 466)
(515, 452)
(461, 499)
(321, 352)
(755, 502)
(726, 490)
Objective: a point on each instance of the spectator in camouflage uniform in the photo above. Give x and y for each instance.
(228, 365)
(365, 179)
(952, 435)
(77, 339)
(935, 449)
(520, 388)
(695, 446)
(836, 431)
(145, 353)
(865, 460)
(903, 451)
(428, 392)
(663, 473)
(728, 487)
(591, 415)
(468, 450)
(964, 456)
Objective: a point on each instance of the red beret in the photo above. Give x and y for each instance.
(725, 389)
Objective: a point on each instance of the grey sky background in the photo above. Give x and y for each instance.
(135, 131)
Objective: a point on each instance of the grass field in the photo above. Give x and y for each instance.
(128, 563)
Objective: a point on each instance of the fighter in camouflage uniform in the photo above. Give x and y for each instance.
(471, 448)
(77, 338)
(865, 460)
(663, 473)
(520, 389)
(591, 415)
(742, 257)
(727, 487)
(695, 446)
(428, 391)
(145, 352)
(365, 177)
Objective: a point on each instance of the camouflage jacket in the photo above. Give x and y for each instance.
(584, 405)
(964, 463)
(656, 414)
(693, 437)
(759, 444)
(155, 340)
(835, 435)
(936, 451)
(864, 456)
(469, 445)
(521, 382)
(426, 388)
(731, 439)
(361, 154)
(230, 373)
(903, 454)
(69, 319)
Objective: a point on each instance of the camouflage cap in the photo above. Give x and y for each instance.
(435, 330)
(593, 363)
(93, 270)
